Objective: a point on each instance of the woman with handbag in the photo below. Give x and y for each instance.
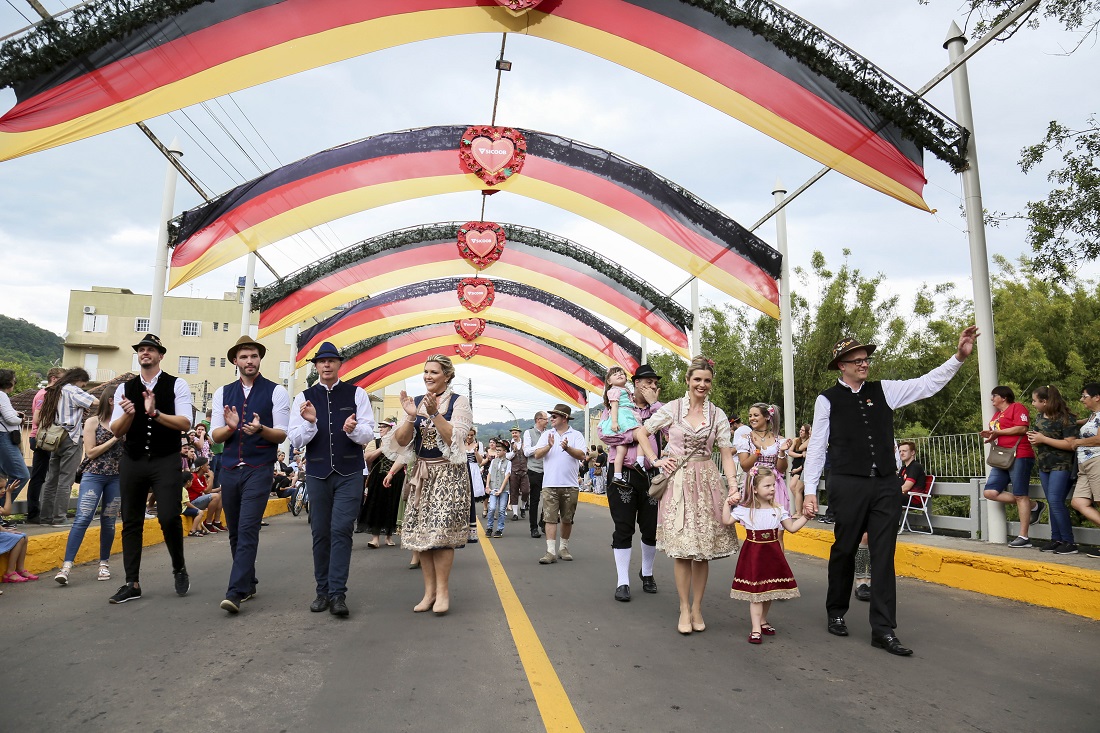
(689, 524)
(63, 412)
(12, 463)
(1011, 459)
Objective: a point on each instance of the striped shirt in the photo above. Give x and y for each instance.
(70, 410)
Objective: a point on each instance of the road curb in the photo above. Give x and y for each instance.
(1067, 588)
(46, 551)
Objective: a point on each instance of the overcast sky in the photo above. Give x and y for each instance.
(86, 213)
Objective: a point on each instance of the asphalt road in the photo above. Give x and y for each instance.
(73, 662)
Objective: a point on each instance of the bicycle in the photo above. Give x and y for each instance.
(299, 500)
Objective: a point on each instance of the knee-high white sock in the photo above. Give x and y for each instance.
(552, 546)
(648, 553)
(622, 565)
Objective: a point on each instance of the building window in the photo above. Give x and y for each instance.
(284, 369)
(225, 327)
(95, 324)
(215, 328)
(223, 363)
(212, 362)
(189, 365)
(134, 365)
(141, 325)
(191, 328)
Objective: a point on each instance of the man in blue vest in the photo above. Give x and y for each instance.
(249, 417)
(854, 424)
(333, 420)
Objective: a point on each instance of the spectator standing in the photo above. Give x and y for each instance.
(797, 454)
(98, 488)
(535, 472)
(519, 486)
(12, 463)
(249, 418)
(561, 449)
(1086, 495)
(599, 471)
(385, 483)
(40, 459)
(1008, 429)
(500, 470)
(332, 420)
(151, 411)
(1054, 429)
(64, 405)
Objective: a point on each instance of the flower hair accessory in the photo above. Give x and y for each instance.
(771, 410)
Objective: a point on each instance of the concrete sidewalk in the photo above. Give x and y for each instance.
(1067, 582)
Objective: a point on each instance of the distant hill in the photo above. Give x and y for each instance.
(18, 336)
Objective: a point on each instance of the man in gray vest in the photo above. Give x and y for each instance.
(534, 471)
(854, 422)
(519, 486)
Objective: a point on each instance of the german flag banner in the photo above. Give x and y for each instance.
(751, 59)
(384, 169)
(518, 306)
(528, 256)
(442, 338)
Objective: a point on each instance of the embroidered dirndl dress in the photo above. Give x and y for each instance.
(762, 572)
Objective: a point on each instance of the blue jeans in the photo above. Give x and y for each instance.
(333, 507)
(244, 499)
(498, 505)
(1056, 488)
(1019, 476)
(95, 488)
(12, 463)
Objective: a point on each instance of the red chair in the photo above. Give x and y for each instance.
(921, 502)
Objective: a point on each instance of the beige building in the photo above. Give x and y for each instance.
(103, 324)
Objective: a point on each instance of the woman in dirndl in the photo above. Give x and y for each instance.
(437, 511)
(689, 523)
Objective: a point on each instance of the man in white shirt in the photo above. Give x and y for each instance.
(854, 422)
(333, 420)
(249, 418)
(534, 472)
(561, 449)
(152, 410)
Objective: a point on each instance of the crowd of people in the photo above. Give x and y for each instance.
(680, 473)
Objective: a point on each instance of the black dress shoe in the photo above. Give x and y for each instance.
(337, 606)
(320, 603)
(837, 627)
(622, 593)
(649, 585)
(535, 534)
(890, 643)
(863, 592)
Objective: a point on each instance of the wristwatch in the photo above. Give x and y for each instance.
(155, 415)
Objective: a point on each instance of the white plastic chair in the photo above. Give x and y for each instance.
(920, 502)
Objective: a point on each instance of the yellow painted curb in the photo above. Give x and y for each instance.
(46, 551)
(1065, 587)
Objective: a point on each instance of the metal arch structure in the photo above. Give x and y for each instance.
(531, 256)
(751, 59)
(519, 306)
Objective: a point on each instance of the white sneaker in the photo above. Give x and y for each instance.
(62, 576)
(104, 572)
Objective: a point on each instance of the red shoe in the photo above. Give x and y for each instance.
(767, 629)
(13, 578)
(210, 527)
(221, 527)
(28, 576)
(754, 638)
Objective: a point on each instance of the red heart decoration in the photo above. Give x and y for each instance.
(519, 5)
(475, 293)
(470, 328)
(492, 155)
(467, 351)
(481, 243)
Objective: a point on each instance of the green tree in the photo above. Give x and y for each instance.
(25, 378)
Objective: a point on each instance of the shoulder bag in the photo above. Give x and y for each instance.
(1001, 457)
(659, 483)
(50, 438)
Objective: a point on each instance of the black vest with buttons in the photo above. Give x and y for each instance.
(861, 431)
(331, 450)
(147, 438)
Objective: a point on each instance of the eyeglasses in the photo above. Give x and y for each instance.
(857, 362)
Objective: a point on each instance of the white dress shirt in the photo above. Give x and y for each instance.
(899, 393)
(280, 408)
(181, 392)
(301, 431)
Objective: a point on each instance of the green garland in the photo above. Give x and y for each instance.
(268, 296)
(54, 43)
(359, 347)
(804, 42)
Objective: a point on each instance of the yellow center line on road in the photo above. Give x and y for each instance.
(555, 707)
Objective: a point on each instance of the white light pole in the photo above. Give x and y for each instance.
(997, 529)
(786, 338)
(696, 321)
(246, 301)
(160, 262)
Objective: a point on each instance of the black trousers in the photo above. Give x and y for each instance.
(632, 507)
(533, 513)
(865, 504)
(136, 478)
(40, 466)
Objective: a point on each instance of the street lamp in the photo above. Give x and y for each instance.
(514, 420)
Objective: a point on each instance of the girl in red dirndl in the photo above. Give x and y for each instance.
(762, 573)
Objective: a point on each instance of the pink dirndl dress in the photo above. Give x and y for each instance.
(689, 517)
(767, 458)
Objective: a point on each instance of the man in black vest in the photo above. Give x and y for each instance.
(250, 418)
(854, 422)
(333, 420)
(152, 410)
